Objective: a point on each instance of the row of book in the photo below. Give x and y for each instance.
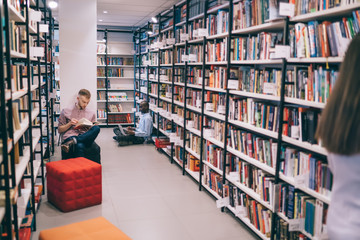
(251, 13)
(264, 81)
(117, 96)
(312, 83)
(216, 51)
(101, 95)
(194, 142)
(166, 57)
(259, 216)
(314, 172)
(17, 37)
(101, 83)
(214, 155)
(256, 147)
(193, 164)
(256, 179)
(101, 113)
(115, 108)
(218, 23)
(258, 114)
(113, 72)
(254, 47)
(297, 205)
(114, 61)
(323, 39)
(121, 118)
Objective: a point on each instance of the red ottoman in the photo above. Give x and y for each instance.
(74, 183)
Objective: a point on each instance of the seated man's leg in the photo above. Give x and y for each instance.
(89, 137)
(137, 140)
(129, 140)
(80, 149)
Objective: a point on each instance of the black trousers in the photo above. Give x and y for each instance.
(127, 139)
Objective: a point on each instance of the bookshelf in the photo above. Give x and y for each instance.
(26, 112)
(115, 74)
(203, 66)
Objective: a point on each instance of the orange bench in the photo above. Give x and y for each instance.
(92, 229)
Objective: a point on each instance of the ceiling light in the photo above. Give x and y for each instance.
(105, 11)
(149, 32)
(100, 20)
(53, 4)
(154, 20)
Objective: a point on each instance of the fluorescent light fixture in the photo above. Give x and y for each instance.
(105, 11)
(149, 32)
(53, 4)
(100, 20)
(154, 20)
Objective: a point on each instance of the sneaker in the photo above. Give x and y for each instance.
(115, 138)
(68, 145)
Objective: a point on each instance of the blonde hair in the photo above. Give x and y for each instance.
(84, 92)
(339, 125)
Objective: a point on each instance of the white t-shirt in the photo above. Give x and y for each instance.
(343, 220)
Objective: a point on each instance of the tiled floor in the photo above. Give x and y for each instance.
(149, 199)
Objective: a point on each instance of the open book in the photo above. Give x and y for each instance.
(84, 123)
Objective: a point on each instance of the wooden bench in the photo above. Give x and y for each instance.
(92, 229)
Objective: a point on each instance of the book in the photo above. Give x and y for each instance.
(84, 123)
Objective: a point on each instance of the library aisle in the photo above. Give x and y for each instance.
(149, 199)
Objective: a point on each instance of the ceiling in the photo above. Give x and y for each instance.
(130, 13)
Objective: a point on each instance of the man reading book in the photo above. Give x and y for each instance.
(78, 126)
(142, 133)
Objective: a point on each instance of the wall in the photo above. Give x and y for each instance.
(77, 25)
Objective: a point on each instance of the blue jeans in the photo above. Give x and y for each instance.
(84, 140)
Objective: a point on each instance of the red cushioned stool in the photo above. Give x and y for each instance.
(74, 183)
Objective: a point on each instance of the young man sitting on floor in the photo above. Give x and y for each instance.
(77, 137)
(137, 135)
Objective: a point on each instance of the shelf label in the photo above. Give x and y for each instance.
(36, 51)
(184, 58)
(208, 133)
(192, 57)
(222, 202)
(235, 176)
(287, 9)
(233, 84)
(168, 94)
(133, 109)
(295, 132)
(269, 88)
(282, 51)
(296, 224)
(302, 180)
(43, 28)
(184, 36)
(35, 16)
(170, 41)
(200, 80)
(198, 103)
(178, 141)
(195, 33)
(221, 109)
(203, 32)
(209, 107)
(172, 137)
(240, 211)
(190, 124)
(164, 78)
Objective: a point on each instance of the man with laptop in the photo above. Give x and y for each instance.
(131, 135)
